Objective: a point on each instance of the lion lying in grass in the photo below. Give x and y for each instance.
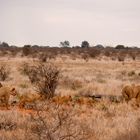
(61, 100)
(69, 100)
(29, 98)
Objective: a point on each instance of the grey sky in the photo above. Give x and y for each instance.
(47, 22)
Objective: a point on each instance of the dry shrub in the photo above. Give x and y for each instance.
(93, 52)
(7, 125)
(61, 125)
(131, 73)
(121, 58)
(45, 57)
(24, 68)
(4, 72)
(131, 135)
(57, 123)
(115, 99)
(85, 57)
(86, 92)
(45, 78)
(73, 84)
(133, 55)
(26, 50)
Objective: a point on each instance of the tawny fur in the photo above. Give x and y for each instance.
(29, 98)
(68, 100)
(5, 93)
(84, 101)
(61, 100)
(130, 92)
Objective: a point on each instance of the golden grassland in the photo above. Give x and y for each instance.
(75, 119)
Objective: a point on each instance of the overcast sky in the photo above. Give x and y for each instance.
(47, 22)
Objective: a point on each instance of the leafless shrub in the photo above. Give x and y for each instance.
(4, 72)
(133, 55)
(26, 50)
(107, 53)
(121, 58)
(43, 58)
(73, 56)
(71, 83)
(123, 73)
(93, 52)
(131, 135)
(8, 126)
(61, 125)
(85, 57)
(85, 92)
(24, 68)
(131, 73)
(45, 78)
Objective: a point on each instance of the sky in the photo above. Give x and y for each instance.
(48, 22)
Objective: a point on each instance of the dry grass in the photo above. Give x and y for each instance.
(75, 116)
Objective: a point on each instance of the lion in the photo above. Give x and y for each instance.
(137, 92)
(62, 99)
(29, 98)
(130, 92)
(5, 93)
(84, 101)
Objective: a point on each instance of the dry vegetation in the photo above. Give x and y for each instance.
(69, 93)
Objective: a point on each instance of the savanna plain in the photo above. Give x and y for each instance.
(80, 99)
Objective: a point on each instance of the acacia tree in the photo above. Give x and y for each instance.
(65, 44)
(85, 44)
(4, 44)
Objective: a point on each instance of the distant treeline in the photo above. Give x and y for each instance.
(85, 51)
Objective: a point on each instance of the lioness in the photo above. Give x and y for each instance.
(130, 92)
(5, 93)
(29, 98)
(61, 100)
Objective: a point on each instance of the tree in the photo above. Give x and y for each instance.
(99, 46)
(85, 44)
(120, 47)
(4, 44)
(65, 44)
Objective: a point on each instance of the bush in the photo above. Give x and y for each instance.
(43, 58)
(45, 78)
(24, 69)
(133, 55)
(120, 47)
(69, 83)
(131, 73)
(93, 52)
(85, 44)
(4, 72)
(121, 58)
(26, 50)
(85, 57)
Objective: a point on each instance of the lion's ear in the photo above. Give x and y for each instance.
(13, 89)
